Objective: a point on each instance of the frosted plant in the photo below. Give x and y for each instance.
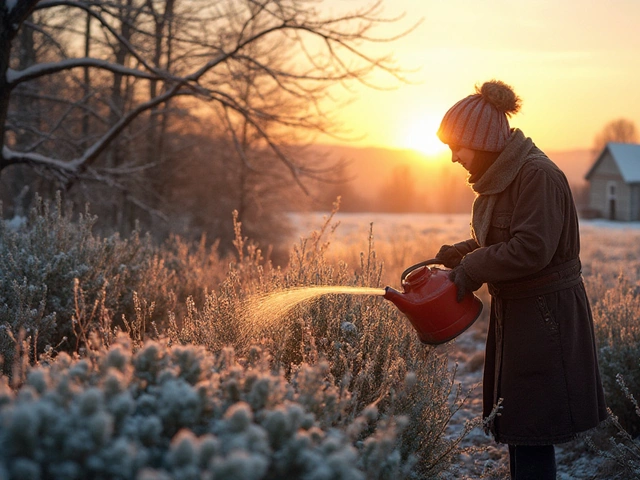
(169, 412)
(239, 464)
(321, 393)
(59, 281)
(616, 314)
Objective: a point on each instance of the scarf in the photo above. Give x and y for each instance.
(495, 180)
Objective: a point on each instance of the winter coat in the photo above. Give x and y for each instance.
(540, 352)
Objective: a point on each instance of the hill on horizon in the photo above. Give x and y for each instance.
(387, 179)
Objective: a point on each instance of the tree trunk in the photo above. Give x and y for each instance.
(156, 120)
(10, 21)
(5, 92)
(87, 78)
(119, 89)
(27, 107)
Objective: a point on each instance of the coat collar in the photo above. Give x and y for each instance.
(495, 180)
(502, 172)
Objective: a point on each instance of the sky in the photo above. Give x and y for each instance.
(574, 63)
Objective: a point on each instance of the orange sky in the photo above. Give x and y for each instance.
(575, 64)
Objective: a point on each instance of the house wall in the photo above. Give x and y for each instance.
(605, 175)
(635, 203)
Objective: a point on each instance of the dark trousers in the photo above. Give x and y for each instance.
(529, 462)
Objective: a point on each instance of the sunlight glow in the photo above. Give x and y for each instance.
(420, 135)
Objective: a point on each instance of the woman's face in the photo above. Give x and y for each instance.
(463, 156)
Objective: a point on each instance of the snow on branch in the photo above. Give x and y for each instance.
(72, 168)
(15, 77)
(36, 159)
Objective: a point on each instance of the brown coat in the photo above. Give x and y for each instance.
(540, 353)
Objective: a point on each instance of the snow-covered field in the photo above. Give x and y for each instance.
(575, 461)
(394, 225)
(355, 226)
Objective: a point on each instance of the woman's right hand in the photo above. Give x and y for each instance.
(449, 256)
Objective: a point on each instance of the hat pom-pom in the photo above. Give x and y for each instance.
(501, 96)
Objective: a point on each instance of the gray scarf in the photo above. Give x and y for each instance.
(495, 180)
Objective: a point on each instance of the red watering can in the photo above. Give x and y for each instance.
(429, 302)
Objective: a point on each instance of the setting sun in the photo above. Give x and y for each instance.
(420, 135)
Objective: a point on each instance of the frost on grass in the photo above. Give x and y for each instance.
(164, 412)
(339, 386)
(620, 450)
(59, 281)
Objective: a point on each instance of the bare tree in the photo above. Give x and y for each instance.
(178, 48)
(620, 130)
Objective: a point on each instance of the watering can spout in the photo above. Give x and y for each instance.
(392, 295)
(400, 299)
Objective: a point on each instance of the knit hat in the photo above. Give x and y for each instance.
(479, 121)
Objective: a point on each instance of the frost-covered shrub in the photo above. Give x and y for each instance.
(40, 262)
(616, 313)
(181, 412)
(607, 253)
(619, 449)
(337, 355)
(362, 349)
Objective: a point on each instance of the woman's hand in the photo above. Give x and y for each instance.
(449, 256)
(463, 281)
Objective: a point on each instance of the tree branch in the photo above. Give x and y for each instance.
(15, 77)
(12, 157)
(19, 13)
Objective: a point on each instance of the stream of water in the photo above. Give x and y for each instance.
(266, 309)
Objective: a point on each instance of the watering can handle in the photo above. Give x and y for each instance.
(431, 261)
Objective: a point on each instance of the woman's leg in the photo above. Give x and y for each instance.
(512, 460)
(528, 462)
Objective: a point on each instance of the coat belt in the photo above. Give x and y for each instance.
(555, 278)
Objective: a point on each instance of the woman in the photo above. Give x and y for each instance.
(540, 353)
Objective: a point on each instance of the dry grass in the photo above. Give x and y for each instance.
(361, 347)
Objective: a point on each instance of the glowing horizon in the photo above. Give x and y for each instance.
(574, 66)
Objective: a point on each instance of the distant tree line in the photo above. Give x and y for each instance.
(407, 189)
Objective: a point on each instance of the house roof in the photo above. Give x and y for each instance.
(627, 158)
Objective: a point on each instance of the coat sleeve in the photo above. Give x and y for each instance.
(534, 231)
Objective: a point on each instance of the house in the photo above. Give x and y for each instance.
(614, 183)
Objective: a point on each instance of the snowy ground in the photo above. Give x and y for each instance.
(388, 225)
(575, 461)
(385, 225)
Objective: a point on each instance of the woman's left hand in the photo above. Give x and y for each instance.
(464, 282)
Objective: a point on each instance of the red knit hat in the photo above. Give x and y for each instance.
(479, 121)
